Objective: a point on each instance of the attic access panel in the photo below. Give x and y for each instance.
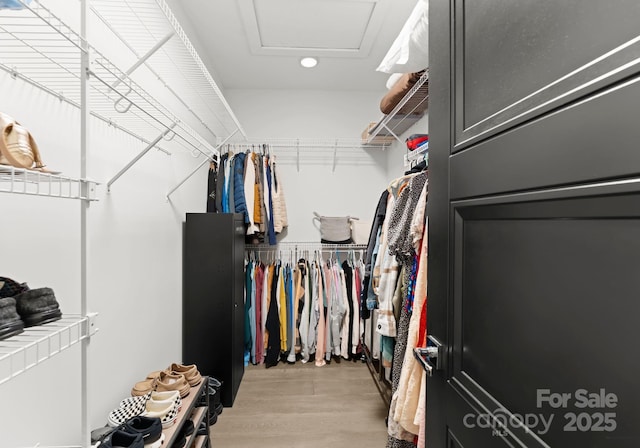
(312, 27)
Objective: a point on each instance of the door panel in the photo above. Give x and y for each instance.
(566, 147)
(534, 224)
(533, 296)
(514, 60)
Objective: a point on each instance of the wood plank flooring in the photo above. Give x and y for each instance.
(304, 406)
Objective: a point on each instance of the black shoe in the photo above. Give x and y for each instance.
(11, 288)
(99, 434)
(213, 418)
(180, 441)
(10, 322)
(202, 429)
(188, 428)
(122, 439)
(37, 306)
(149, 427)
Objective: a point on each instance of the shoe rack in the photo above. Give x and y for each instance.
(190, 114)
(190, 411)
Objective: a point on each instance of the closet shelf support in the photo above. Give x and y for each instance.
(139, 156)
(392, 133)
(208, 159)
(146, 56)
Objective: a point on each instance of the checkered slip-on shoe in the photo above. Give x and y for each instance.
(123, 413)
(166, 396)
(10, 322)
(165, 411)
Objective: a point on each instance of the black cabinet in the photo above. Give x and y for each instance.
(213, 298)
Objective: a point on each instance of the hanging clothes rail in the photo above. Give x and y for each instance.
(315, 151)
(305, 246)
(299, 142)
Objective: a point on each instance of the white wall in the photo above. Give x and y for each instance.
(360, 174)
(134, 267)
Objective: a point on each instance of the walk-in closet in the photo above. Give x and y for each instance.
(312, 223)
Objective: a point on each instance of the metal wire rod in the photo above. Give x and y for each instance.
(139, 156)
(200, 165)
(146, 56)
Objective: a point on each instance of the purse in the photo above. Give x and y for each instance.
(17, 146)
(334, 229)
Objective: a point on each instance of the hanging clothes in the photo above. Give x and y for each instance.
(249, 183)
(273, 321)
(212, 187)
(271, 233)
(310, 305)
(305, 317)
(248, 290)
(250, 193)
(280, 220)
(372, 251)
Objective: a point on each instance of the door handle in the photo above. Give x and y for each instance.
(430, 356)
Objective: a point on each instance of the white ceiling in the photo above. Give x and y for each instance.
(257, 44)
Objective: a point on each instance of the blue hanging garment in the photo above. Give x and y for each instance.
(13, 4)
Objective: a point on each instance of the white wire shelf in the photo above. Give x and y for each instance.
(37, 344)
(307, 143)
(401, 118)
(39, 48)
(36, 183)
(311, 151)
(38, 45)
(149, 26)
(124, 103)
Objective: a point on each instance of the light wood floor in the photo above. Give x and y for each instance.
(304, 406)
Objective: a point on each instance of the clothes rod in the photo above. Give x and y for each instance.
(305, 246)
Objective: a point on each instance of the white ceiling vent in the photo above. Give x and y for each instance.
(338, 28)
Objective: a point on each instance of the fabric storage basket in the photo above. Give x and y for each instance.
(334, 229)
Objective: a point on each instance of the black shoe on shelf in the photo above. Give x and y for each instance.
(213, 418)
(38, 306)
(99, 434)
(121, 439)
(149, 427)
(202, 429)
(10, 322)
(180, 441)
(188, 428)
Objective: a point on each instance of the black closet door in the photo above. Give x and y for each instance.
(238, 278)
(213, 298)
(534, 232)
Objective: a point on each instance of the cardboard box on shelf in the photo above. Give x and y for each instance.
(378, 139)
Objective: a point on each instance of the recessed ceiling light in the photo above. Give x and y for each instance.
(308, 62)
